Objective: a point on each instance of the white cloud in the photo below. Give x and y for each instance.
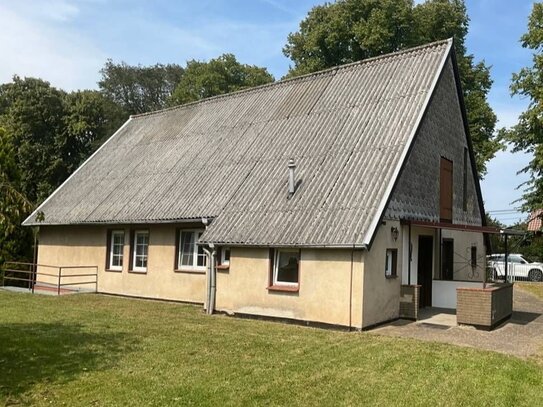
(280, 6)
(31, 46)
(57, 10)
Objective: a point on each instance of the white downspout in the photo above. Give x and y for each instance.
(211, 281)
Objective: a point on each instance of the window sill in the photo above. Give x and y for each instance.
(137, 271)
(114, 270)
(391, 277)
(285, 288)
(189, 271)
(223, 267)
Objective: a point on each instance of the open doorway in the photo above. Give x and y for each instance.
(424, 270)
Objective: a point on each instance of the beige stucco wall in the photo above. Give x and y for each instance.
(327, 278)
(86, 245)
(381, 295)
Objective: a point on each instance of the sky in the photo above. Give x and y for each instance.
(66, 42)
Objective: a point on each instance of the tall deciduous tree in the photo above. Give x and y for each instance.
(527, 134)
(89, 119)
(34, 118)
(15, 243)
(139, 89)
(52, 132)
(216, 77)
(353, 30)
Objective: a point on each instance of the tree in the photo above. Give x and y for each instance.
(139, 89)
(33, 117)
(89, 119)
(52, 132)
(216, 77)
(353, 30)
(527, 134)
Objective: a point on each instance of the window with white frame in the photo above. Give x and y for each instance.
(391, 261)
(190, 255)
(141, 250)
(225, 256)
(286, 267)
(116, 248)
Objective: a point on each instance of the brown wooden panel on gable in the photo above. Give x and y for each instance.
(445, 190)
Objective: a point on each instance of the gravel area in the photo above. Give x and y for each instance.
(520, 336)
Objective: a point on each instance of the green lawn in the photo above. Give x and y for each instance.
(93, 350)
(534, 288)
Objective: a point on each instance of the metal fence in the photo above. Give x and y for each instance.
(50, 278)
(515, 272)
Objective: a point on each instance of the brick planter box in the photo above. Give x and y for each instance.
(409, 301)
(484, 307)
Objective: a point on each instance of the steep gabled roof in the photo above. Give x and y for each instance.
(348, 130)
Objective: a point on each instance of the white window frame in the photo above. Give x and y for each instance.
(390, 271)
(276, 282)
(111, 245)
(194, 265)
(134, 251)
(225, 262)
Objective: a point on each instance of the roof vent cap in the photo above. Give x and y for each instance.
(291, 178)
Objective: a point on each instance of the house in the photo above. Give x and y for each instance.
(534, 221)
(346, 197)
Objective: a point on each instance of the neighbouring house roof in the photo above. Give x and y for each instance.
(348, 130)
(535, 223)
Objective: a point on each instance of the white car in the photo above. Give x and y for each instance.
(518, 267)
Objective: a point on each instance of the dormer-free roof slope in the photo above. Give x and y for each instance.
(348, 130)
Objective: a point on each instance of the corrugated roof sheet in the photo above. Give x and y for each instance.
(226, 157)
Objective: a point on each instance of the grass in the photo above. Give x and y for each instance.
(93, 350)
(534, 288)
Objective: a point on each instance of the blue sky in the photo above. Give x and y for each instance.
(67, 42)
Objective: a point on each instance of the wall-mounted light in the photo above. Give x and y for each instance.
(394, 233)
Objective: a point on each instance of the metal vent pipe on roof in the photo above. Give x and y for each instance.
(291, 179)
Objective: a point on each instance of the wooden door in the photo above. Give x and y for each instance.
(447, 259)
(445, 190)
(424, 269)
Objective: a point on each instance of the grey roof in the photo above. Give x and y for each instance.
(348, 130)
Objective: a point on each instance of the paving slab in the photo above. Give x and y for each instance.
(520, 336)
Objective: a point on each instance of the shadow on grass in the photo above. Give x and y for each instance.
(53, 353)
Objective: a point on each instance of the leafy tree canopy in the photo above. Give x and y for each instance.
(14, 206)
(139, 89)
(352, 30)
(51, 132)
(216, 77)
(527, 134)
(33, 118)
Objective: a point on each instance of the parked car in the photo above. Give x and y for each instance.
(519, 267)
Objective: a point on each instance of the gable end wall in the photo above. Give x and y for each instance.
(441, 134)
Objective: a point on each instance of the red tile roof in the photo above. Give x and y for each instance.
(535, 223)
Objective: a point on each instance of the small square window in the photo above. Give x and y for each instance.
(391, 261)
(225, 256)
(140, 250)
(286, 267)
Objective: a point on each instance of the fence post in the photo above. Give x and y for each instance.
(59, 277)
(96, 278)
(33, 276)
